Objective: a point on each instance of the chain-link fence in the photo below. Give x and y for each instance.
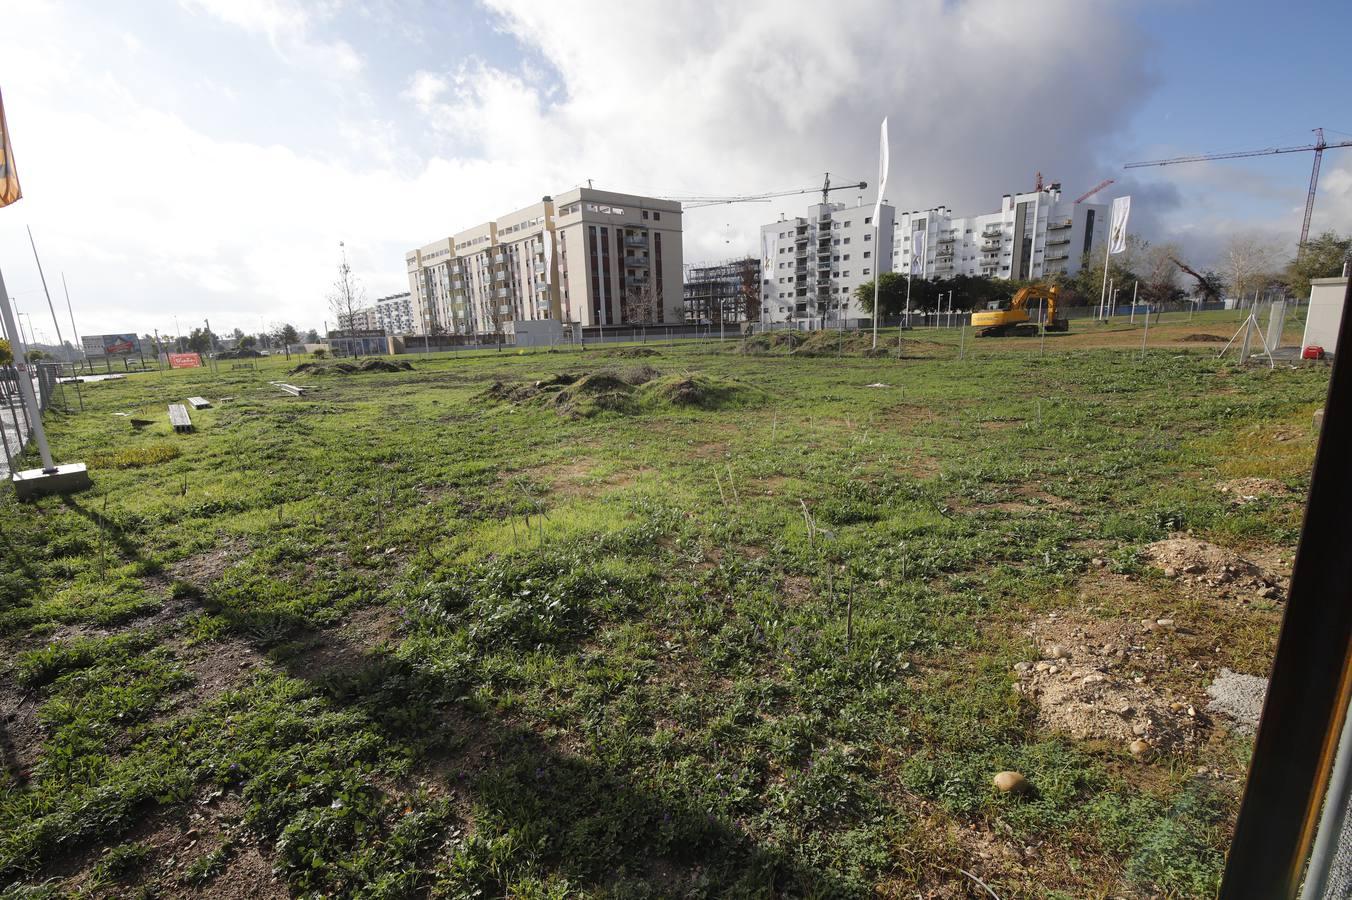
(16, 427)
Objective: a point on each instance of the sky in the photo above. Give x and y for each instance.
(185, 160)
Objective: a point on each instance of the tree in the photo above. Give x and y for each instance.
(346, 297)
(1323, 258)
(201, 341)
(285, 334)
(1247, 259)
(1088, 281)
(891, 288)
(640, 304)
(6, 354)
(238, 335)
(1159, 275)
(247, 342)
(311, 336)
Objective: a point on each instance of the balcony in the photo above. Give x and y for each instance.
(989, 232)
(1056, 226)
(946, 240)
(542, 285)
(1056, 256)
(1058, 242)
(499, 257)
(636, 240)
(539, 265)
(499, 276)
(636, 280)
(502, 292)
(635, 262)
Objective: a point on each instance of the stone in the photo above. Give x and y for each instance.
(1022, 667)
(1098, 562)
(1165, 623)
(1139, 748)
(1008, 782)
(1056, 651)
(1140, 729)
(1095, 678)
(1126, 710)
(1176, 707)
(1042, 666)
(1170, 572)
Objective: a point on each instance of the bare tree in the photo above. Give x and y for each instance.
(1247, 260)
(1159, 274)
(640, 304)
(346, 299)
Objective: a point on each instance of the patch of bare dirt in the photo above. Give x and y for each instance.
(797, 589)
(1200, 338)
(20, 733)
(218, 667)
(1247, 490)
(1111, 680)
(1203, 566)
(203, 568)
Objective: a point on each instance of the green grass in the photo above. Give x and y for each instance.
(502, 650)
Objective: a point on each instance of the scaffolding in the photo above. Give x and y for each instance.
(724, 292)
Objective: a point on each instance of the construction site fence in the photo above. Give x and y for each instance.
(16, 426)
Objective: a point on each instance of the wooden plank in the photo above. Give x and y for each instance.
(178, 417)
(199, 402)
(290, 388)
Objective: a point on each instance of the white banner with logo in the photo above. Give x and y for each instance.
(1117, 234)
(919, 246)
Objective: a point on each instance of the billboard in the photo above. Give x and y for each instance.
(184, 360)
(111, 345)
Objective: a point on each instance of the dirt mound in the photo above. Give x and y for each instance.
(700, 391)
(372, 364)
(850, 343)
(634, 353)
(1247, 490)
(1199, 338)
(1207, 566)
(1096, 679)
(773, 342)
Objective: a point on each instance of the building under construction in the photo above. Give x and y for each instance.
(728, 292)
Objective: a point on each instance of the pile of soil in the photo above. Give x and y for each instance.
(1199, 338)
(630, 390)
(1204, 565)
(850, 343)
(634, 353)
(775, 341)
(1247, 490)
(372, 364)
(1097, 679)
(239, 354)
(700, 391)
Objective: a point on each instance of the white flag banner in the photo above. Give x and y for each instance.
(1117, 234)
(883, 159)
(768, 251)
(919, 245)
(549, 255)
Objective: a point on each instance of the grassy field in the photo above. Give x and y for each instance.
(698, 623)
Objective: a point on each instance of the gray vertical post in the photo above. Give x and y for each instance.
(25, 380)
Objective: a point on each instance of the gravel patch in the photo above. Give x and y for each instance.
(1238, 697)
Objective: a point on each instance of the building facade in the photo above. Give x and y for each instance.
(395, 314)
(363, 319)
(1034, 235)
(729, 291)
(812, 265)
(587, 257)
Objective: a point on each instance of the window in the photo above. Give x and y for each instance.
(866, 254)
(866, 271)
(868, 237)
(846, 256)
(657, 217)
(845, 274)
(847, 223)
(847, 240)
(836, 242)
(645, 214)
(868, 220)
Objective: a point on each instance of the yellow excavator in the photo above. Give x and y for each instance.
(1010, 317)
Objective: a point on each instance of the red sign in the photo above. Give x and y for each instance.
(184, 361)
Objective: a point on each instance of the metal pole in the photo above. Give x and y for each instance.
(876, 273)
(1103, 293)
(50, 307)
(1146, 333)
(1332, 822)
(79, 345)
(25, 380)
(906, 322)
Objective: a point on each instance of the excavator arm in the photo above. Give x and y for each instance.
(1208, 289)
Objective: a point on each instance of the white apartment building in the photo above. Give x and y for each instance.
(589, 257)
(812, 265)
(1032, 236)
(395, 314)
(363, 319)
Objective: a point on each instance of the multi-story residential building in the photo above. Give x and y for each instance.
(1033, 235)
(363, 319)
(587, 257)
(813, 264)
(395, 314)
(729, 291)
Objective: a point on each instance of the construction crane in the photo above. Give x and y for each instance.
(1318, 148)
(826, 189)
(1094, 190)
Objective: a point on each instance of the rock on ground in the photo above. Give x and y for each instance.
(1238, 697)
(1213, 569)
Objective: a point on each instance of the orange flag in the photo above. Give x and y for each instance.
(9, 176)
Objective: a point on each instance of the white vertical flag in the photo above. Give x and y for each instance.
(768, 252)
(883, 159)
(919, 246)
(1117, 234)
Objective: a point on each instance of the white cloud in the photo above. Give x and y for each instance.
(288, 26)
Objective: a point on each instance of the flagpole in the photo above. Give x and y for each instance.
(877, 300)
(79, 344)
(1107, 254)
(21, 364)
(50, 307)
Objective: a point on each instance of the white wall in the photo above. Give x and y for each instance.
(1325, 314)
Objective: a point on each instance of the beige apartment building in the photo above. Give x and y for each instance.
(587, 257)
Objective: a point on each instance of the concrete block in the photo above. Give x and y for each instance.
(67, 479)
(1318, 421)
